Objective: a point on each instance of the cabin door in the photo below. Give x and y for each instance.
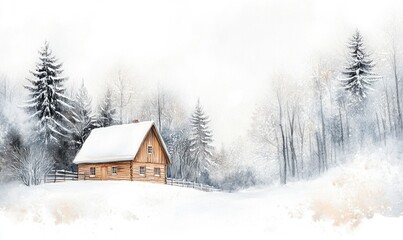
(103, 172)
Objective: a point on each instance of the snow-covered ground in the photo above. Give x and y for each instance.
(360, 200)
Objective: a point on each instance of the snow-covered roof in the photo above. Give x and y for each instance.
(115, 143)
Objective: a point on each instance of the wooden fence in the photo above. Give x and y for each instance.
(188, 184)
(60, 176)
(64, 175)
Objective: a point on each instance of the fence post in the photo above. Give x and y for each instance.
(55, 176)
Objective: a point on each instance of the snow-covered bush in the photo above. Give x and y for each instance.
(10, 138)
(240, 179)
(31, 164)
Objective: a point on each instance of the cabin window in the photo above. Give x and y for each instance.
(150, 149)
(114, 170)
(92, 171)
(157, 171)
(142, 170)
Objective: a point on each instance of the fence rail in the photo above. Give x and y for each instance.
(188, 184)
(64, 175)
(60, 176)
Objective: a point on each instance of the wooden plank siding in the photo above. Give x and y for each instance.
(158, 159)
(158, 155)
(130, 170)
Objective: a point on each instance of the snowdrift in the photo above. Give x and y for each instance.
(359, 200)
(371, 184)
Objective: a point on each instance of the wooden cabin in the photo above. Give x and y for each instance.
(134, 152)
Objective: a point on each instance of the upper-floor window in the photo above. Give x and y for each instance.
(92, 171)
(150, 149)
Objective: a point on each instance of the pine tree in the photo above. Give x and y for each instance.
(200, 143)
(358, 72)
(48, 104)
(85, 121)
(107, 111)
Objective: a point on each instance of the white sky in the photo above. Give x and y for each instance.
(221, 51)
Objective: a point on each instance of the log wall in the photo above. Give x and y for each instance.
(149, 173)
(103, 171)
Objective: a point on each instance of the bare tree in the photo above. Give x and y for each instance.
(164, 108)
(31, 164)
(124, 94)
(179, 148)
(321, 75)
(7, 89)
(394, 63)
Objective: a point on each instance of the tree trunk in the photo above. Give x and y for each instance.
(282, 139)
(341, 131)
(399, 113)
(388, 108)
(301, 133)
(347, 133)
(384, 130)
(323, 133)
(379, 128)
(278, 157)
(284, 156)
(311, 158)
(291, 121)
(318, 144)
(287, 153)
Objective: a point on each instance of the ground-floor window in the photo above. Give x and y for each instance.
(114, 170)
(92, 171)
(157, 171)
(142, 170)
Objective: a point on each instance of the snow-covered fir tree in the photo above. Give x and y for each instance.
(107, 112)
(201, 139)
(85, 121)
(48, 104)
(359, 76)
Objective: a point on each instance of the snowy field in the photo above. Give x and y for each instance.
(360, 200)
